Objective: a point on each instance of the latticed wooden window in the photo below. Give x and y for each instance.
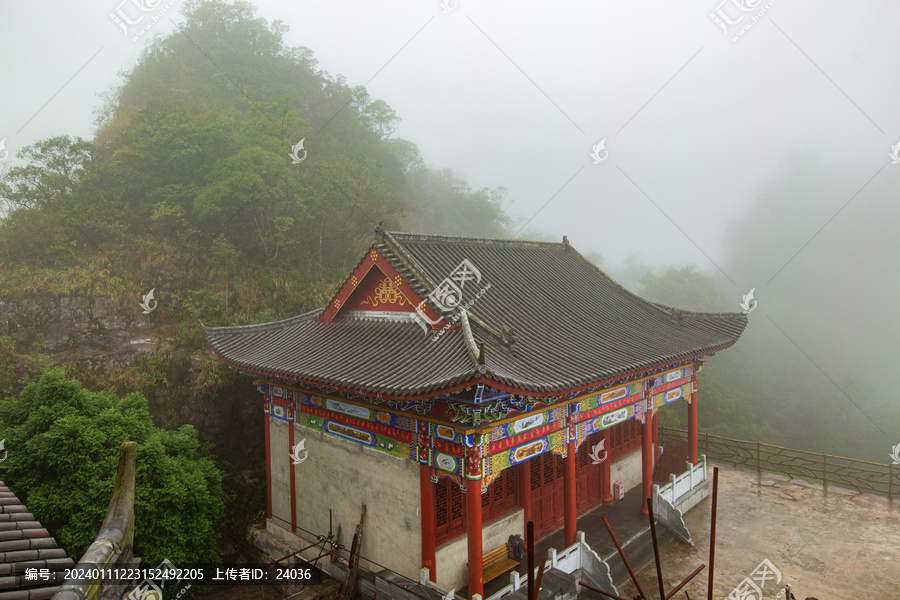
(583, 457)
(624, 438)
(549, 475)
(500, 497)
(511, 496)
(449, 513)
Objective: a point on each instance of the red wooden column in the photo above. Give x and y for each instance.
(474, 459)
(293, 479)
(692, 425)
(266, 408)
(646, 461)
(569, 491)
(429, 521)
(606, 496)
(524, 487)
(655, 440)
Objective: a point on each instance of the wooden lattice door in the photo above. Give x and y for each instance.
(587, 474)
(547, 499)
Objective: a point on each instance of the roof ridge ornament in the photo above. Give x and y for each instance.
(476, 353)
(509, 337)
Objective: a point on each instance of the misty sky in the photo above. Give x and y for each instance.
(515, 94)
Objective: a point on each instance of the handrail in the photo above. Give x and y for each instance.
(861, 475)
(114, 544)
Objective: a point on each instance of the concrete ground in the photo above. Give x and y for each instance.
(842, 546)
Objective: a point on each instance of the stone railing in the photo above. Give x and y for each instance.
(113, 545)
(578, 556)
(682, 485)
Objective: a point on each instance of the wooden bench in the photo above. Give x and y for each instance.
(496, 563)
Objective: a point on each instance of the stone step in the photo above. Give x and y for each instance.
(639, 551)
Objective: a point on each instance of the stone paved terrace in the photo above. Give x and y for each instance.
(842, 546)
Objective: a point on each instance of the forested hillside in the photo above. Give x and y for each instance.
(190, 175)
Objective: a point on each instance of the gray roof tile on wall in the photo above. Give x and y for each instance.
(24, 543)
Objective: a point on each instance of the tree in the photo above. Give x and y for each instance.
(682, 287)
(55, 165)
(63, 446)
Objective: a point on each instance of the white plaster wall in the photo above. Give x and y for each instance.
(342, 476)
(627, 469)
(453, 556)
(281, 474)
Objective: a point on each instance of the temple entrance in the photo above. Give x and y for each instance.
(587, 474)
(546, 493)
(546, 470)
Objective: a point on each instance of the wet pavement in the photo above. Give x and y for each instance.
(842, 546)
(625, 519)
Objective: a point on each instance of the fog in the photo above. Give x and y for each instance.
(763, 161)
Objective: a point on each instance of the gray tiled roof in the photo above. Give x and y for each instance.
(25, 544)
(571, 324)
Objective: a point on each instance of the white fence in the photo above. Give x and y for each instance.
(577, 556)
(681, 485)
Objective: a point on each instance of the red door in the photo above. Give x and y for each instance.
(547, 509)
(587, 475)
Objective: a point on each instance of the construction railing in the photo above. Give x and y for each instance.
(861, 475)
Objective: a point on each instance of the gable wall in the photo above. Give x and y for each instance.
(342, 475)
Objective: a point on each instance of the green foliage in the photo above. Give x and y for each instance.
(754, 392)
(7, 365)
(49, 179)
(245, 499)
(63, 443)
(682, 287)
(189, 180)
